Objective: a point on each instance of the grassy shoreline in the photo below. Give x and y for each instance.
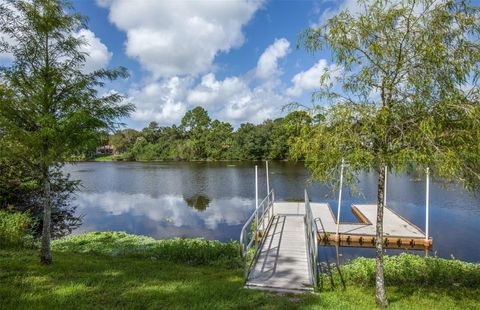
(117, 270)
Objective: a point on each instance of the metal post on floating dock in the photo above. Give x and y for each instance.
(268, 185)
(268, 180)
(427, 202)
(340, 199)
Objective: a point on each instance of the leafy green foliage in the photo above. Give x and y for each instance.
(407, 269)
(200, 138)
(190, 251)
(21, 191)
(15, 229)
(123, 140)
(50, 107)
(404, 91)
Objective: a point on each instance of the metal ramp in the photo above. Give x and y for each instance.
(279, 246)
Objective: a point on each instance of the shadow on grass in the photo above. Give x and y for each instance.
(81, 281)
(89, 281)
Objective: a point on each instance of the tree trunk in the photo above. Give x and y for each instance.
(46, 255)
(380, 297)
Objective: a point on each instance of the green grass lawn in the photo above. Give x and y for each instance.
(83, 280)
(104, 158)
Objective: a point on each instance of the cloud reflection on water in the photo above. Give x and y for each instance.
(167, 208)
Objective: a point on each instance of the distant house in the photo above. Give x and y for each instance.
(104, 150)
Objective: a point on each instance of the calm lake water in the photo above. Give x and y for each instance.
(213, 199)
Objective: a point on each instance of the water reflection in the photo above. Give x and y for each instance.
(163, 216)
(213, 199)
(198, 202)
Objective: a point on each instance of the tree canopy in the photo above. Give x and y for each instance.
(404, 92)
(200, 138)
(50, 108)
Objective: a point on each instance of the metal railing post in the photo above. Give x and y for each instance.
(273, 202)
(311, 239)
(268, 188)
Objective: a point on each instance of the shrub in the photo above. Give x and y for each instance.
(15, 229)
(191, 251)
(409, 269)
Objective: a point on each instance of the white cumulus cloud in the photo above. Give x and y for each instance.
(310, 79)
(210, 91)
(98, 55)
(235, 99)
(171, 38)
(267, 66)
(162, 101)
(351, 6)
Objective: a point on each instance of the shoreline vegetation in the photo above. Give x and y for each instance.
(114, 158)
(198, 137)
(120, 270)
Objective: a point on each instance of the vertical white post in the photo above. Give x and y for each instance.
(256, 201)
(268, 180)
(340, 198)
(385, 188)
(268, 191)
(256, 187)
(427, 202)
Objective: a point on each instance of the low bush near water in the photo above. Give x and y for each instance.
(191, 251)
(408, 269)
(15, 229)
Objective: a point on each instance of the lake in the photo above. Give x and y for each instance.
(213, 199)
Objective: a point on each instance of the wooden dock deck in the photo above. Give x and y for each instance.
(397, 231)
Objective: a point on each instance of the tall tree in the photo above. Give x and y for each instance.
(250, 142)
(276, 134)
(406, 94)
(219, 140)
(151, 132)
(196, 123)
(123, 140)
(50, 107)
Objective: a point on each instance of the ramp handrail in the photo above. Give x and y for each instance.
(254, 230)
(312, 242)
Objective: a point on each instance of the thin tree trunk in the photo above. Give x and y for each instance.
(380, 296)
(46, 255)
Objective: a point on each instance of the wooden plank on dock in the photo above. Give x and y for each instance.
(396, 229)
(282, 263)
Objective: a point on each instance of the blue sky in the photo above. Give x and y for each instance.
(221, 70)
(236, 58)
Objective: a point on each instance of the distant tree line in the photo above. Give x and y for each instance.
(198, 137)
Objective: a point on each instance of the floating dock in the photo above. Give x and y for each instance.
(397, 231)
(283, 252)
